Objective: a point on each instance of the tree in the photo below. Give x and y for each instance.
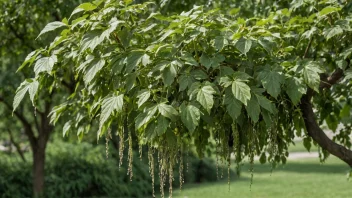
(172, 80)
(20, 23)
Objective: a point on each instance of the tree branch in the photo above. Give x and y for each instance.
(308, 47)
(331, 80)
(26, 125)
(318, 134)
(313, 127)
(18, 147)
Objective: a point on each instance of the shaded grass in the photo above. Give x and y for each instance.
(299, 178)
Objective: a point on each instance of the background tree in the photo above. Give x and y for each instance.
(172, 80)
(20, 23)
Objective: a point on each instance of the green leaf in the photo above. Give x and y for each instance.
(165, 35)
(295, 89)
(225, 81)
(145, 117)
(193, 90)
(244, 45)
(328, 10)
(265, 103)
(188, 58)
(109, 105)
(162, 125)
(309, 33)
(190, 116)
(75, 11)
(125, 37)
(45, 64)
(95, 66)
(266, 44)
(271, 81)
(91, 40)
(130, 80)
(216, 60)
(151, 131)
(87, 6)
(311, 75)
(168, 111)
(30, 85)
(266, 118)
(307, 143)
(199, 74)
(51, 27)
(346, 53)
(342, 64)
(169, 74)
(241, 76)
(241, 91)
(66, 128)
(233, 106)
(348, 74)
(205, 60)
(331, 32)
(185, 81)
(29, 59)
(133, 59)
(253, 109)
(113, 24)
(205, 97)
(143, 96)
(33, 89)
(220, 42)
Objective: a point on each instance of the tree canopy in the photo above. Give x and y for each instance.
(169, 81)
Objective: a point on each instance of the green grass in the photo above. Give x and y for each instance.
(299, 178)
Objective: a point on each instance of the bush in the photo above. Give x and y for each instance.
(83, 171)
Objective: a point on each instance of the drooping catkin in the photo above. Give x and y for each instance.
(121, 145)
(181, 167)
(130, 156)
(151, 167)
(107, 139)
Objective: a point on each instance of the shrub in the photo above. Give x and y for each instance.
(83, 171)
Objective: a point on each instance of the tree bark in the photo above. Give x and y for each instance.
(39, 152)
(313, 127)
(38, 168)
(318, 134)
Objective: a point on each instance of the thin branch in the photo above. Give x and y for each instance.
(18, 147)
(26, 125)
(308, 47)
(331, 80)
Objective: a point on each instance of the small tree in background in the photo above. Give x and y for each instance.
(168, 81)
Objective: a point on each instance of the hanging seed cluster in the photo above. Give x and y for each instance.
(230, 145)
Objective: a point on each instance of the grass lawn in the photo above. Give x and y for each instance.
(298, 178)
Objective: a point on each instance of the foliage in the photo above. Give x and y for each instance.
(83, 171)
(169, 81)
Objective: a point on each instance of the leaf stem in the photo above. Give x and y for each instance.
(308, 47)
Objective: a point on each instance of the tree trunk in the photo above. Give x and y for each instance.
(39, 166)
(38, 171)
(39, 155)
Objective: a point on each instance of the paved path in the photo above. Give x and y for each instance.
(299, 155)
